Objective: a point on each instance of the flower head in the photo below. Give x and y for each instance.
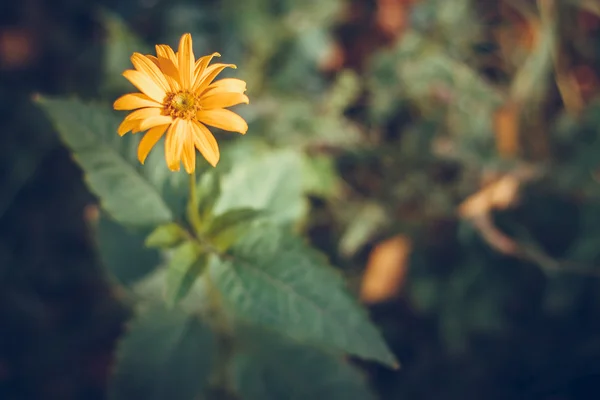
(178, 96)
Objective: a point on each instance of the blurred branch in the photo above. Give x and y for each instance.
(501, 195)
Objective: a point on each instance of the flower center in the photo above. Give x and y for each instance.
(181, 105)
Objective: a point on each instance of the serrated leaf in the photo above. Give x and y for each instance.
(227, 228)
(185, 265)
(166, 236)
(133, 194)
(123, 252)
(272, 183)
(273, 279)
(269, 366)
(166, 354)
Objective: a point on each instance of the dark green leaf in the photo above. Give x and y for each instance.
(269, 366)
(166, 354)
(273, 279)
(133, 194)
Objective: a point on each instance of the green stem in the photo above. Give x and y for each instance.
(221, 379)
(192, 209)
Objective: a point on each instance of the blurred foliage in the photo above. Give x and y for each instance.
(469, 128)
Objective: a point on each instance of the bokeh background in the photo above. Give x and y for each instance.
(452, 175)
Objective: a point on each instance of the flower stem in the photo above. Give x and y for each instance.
(192, 209)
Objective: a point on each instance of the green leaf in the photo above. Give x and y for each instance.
(122, 251)
(269, 366)
(166, 236)
(272, 183)
(166, 354)
(133, 194)
(320, 177)
(365, 222)
(184, 267)
(227, 228)
(273, 279)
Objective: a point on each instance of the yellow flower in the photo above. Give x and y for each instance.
(180, 98)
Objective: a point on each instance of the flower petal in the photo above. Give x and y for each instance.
(145, 84)
(132, 101)
(128, 125)
(174, 144)
(223, 119)
(165, 51)
(151, 122)
(188, 156)
(143, 113)
(149, 140)
(186, 60)
(167, 60)
(201, 65)
(227, 85)
(146, 66)
(209, 75)
(222, 100)
(152, 58)
(206, 143)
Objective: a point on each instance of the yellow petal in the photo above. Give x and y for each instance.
(209, 75)
(174, 144)
(146, 66)
(186, 60)
(223, 119)
(149, 140)
(145, 84)
(165, 51)
(222, 100)
(188, 155)
(231, 85)
(132, 101)
(153, 59)
(201, 65)
(151, 122)
(128, 125)
(167, 60)
(143, 113)
(206, 143)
